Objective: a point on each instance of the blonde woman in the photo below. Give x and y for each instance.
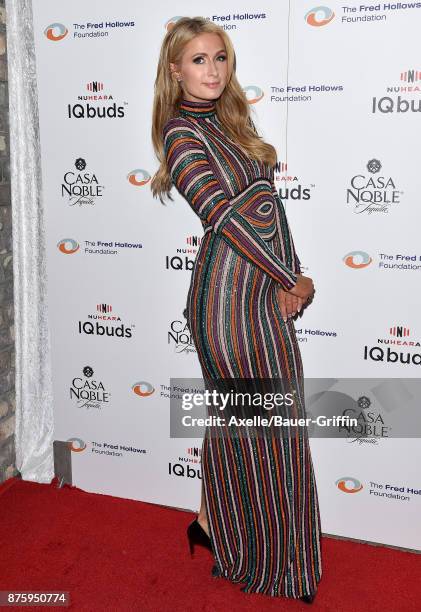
(259, 513)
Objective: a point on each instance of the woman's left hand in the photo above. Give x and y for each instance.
(289, 304)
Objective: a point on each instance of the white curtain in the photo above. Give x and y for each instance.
(34, 399)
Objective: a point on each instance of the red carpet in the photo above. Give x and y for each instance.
(116, 554)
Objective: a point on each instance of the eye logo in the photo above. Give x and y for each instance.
(357, 259)
(138, 177)
(171, 22)
(68, 246)
(319, 16)
(253, 93)
(56, 32)
(347, 484)
(76, 445)
(143, 388)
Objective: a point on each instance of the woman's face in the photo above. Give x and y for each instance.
(203, 68)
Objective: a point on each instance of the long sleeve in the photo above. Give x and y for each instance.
(286, 234)
(194, 178)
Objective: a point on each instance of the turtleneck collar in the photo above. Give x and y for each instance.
(203, 109)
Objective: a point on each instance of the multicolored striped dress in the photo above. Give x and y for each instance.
(261, 495)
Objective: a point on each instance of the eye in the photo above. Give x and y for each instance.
(196, 59)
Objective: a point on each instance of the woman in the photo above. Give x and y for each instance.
(259, 513)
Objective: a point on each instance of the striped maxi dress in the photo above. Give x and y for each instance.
(260, 492)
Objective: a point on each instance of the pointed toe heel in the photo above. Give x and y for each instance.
(197, 535)
(308, 598)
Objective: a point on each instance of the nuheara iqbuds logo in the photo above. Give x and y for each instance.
(89, 392)
(179, 337)
(348, 484)
(96, 103)
(80, 187)
(291, 188)
(403, 97)
(357, 259)
(187, 471)
(319, 16)
(56, 32)
(254, 93)
(105, 323)
(183, 260)
(398, 348)
(373, 191)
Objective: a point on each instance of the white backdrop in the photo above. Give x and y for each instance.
(119, 263)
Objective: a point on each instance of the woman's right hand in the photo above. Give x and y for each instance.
(303, 288)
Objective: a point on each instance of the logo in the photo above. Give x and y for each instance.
(253, 93)
(95, 86)
(105, 323)
(76, 445)
(319, 16)
(409, 86)
(177, 262)
(370, 426)
(399, 339)
(68, 246)
(89, 392)
(138, 177)
(375, 193)
(143, 388)
(357, 259)
(96, 104)
(193, 241)
(183, 471)
(194, 453)
(348, 484)
(291, 188)
(399, 331)
(80, 187)
(56, 32)
(281, 167)
(179, 337)
(411, 76)
(115, 450)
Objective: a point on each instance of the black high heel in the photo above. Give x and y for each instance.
(197, 535)
(308, 598)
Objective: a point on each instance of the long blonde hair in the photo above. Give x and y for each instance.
(232, 107)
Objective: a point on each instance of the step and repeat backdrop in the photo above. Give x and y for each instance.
(336, 89)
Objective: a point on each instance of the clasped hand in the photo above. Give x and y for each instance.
(292, 301)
